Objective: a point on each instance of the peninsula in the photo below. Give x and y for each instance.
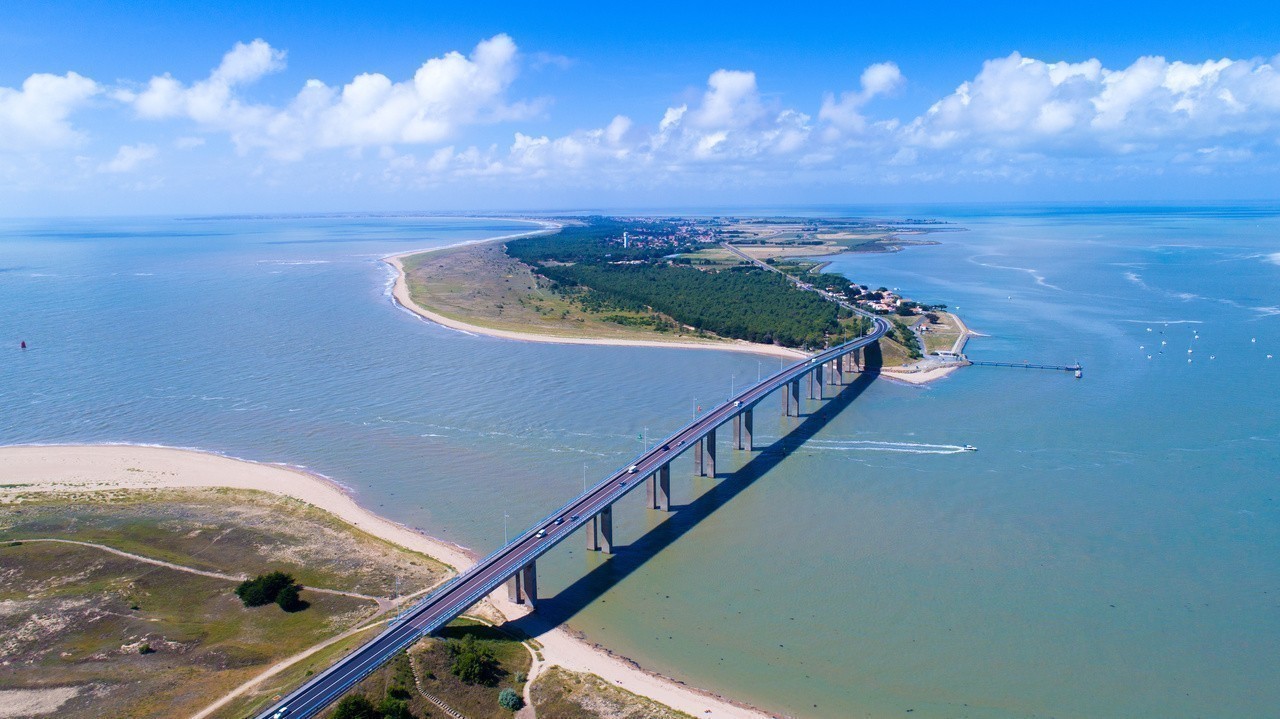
(701, 283)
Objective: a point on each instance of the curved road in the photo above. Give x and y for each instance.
(469, 587)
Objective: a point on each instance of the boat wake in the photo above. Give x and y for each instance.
(858, 445)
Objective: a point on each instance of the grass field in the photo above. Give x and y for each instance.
(482, 286)
(128, 638)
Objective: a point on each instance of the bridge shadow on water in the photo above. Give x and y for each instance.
(562, 607)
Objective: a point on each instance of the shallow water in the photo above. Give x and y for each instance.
(1110, 550)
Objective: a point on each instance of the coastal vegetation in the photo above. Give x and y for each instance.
(641, 279)
(132, 610)
(600, 269)
(469, 666)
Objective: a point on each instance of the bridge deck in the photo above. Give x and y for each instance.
(456, 596)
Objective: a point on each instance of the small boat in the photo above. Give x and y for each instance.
(969, 448)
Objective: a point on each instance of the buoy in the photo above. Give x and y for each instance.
(24, 344)
(1148, 356)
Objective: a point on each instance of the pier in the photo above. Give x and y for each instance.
(1077, 367)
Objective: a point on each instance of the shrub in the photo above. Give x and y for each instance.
(508, 699)
(355, 706)
(394, 709)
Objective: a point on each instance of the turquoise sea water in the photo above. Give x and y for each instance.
(1112, 549)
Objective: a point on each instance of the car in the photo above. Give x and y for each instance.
(666, 447)
(622, 484)
(559, 520)
(573, 518)
(633, 469)
(737, 403)
(281, 712)
(541, 533)
(680, 442)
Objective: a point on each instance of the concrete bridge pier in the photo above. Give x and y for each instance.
(522, 587)
(658, 489)
(833, 371)
(737, 431)
(748, 430)
(795, 395)
(709, 459)
(697, 459)
(600, 531)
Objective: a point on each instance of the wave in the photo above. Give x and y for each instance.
(1035, 274)
(1261, 310)
(294, 262)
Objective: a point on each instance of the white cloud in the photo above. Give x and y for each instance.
(211, 101)
(732, 123)
(1020, 102)
(37, 116)
(845, 115)
(128, 157)
(444, 94)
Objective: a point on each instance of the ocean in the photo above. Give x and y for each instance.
(1111, 549)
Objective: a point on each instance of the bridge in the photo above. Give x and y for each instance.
(591, 511)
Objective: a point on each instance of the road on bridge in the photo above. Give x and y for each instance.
(469, 587)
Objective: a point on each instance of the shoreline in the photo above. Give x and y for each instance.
(400, 295)
(70, 468)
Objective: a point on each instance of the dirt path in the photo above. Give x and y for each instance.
(383, 604)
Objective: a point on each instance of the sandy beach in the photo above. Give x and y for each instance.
(400, 292)
(37, 469)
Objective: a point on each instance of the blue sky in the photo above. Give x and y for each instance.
(127, 108)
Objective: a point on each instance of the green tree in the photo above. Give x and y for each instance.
(263, 589)
(509, 699)
(392, 708)
(289, 600)
(473, 662)
(355, 706)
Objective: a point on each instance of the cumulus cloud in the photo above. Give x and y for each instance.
(1021, 102)
(37, 115)
(444, 94)
(128, 157)
(1014, 118)
(845, 114)
(732, 123)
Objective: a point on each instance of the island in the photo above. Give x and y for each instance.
(754, 285)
